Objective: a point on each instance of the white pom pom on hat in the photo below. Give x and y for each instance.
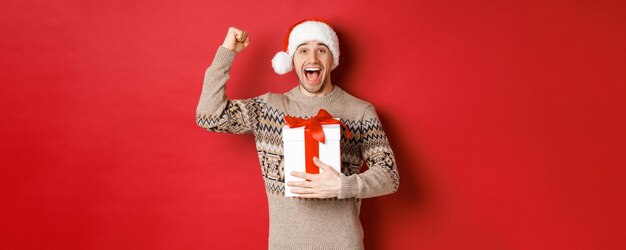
(281, 63)
(310, 29)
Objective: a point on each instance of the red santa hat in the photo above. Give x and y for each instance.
(310, 29)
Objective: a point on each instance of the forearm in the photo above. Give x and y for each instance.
(376, 181)
(213, 96)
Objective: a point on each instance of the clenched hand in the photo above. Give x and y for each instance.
(236, 40)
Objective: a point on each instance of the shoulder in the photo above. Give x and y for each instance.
(349, 98)
(274, 98)
(360, 108)
(274, 103)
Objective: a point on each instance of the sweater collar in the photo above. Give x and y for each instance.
(296, 95)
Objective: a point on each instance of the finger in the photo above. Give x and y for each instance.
(303, 191)
(310, 196)
(246, 42)
(306, 184)
(302, 175)
(322, 165)
(242, 35)
(234, 32)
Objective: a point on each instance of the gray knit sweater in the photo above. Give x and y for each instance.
(298, 223)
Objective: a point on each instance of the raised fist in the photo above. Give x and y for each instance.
(236, 40)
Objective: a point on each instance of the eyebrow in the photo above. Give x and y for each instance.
(318, 44)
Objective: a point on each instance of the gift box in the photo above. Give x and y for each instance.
(303, 139)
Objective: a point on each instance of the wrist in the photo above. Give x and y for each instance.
(349, 186)
(228, 47)
(338, 186)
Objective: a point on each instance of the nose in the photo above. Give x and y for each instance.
(313, 57)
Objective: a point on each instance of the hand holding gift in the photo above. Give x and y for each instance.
(324, 185)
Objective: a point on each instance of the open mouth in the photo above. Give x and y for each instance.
(312, 74)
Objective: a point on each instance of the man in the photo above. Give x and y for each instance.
(326, 213)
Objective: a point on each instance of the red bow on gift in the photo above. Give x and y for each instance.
(313, 133)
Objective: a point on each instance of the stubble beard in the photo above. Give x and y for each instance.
(313, 89)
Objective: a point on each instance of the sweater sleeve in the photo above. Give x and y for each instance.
(215, 112)
(382, 177)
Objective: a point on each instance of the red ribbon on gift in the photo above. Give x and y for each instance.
(313, 134)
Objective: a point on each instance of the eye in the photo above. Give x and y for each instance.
(303, 51)
(321, 50)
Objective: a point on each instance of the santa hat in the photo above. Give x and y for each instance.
(310, 29)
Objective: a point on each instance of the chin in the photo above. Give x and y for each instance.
(312, 89)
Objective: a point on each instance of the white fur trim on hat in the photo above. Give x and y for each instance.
(304, 32)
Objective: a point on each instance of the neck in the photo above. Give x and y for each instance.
(297, 94)
(327, 88)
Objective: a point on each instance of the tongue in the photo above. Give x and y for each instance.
(312, 76)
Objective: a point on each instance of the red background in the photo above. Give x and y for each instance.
(507, 120)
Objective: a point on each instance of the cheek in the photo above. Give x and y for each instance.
(329, 61)
(297, 62)
(328, 58)
(296, 67)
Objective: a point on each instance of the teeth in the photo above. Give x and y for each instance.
(312, 69)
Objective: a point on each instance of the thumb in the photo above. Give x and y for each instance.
(235, 38)
(322, 165)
